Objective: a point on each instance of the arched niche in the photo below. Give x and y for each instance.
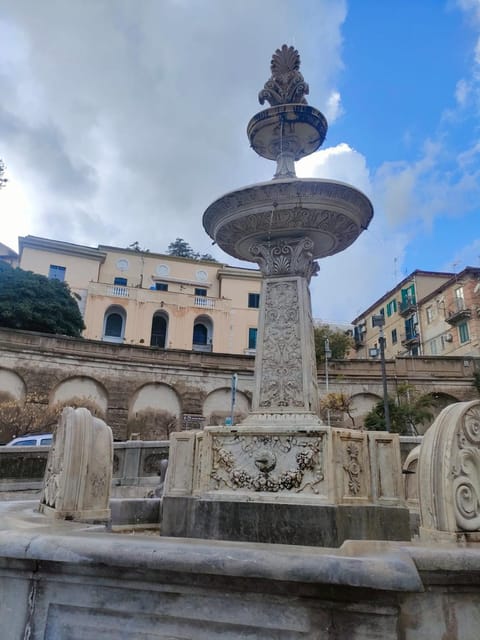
(439, 400)
(361, 404)
(154, 412)
(12, 386)
(155, 396)
(218, 405)
(80, 388)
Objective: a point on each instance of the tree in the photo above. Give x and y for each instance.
(3, 180)
(337, 403)
(340, 342)
(35, 415)
(35, 303)
(182, 249)
(410, 409)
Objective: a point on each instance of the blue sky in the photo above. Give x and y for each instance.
(123, 121)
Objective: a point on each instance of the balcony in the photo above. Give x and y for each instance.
(160, 298)
(458, 312)
(205, 348)
(410, 339)
(408, 306)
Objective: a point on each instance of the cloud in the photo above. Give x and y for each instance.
(130, 119)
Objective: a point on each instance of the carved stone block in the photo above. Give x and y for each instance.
(385, 468)
(449, 474)
(79, 469)
(352, 466)
(269, 462)
(179, 480)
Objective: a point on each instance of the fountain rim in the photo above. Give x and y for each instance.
(209, 214)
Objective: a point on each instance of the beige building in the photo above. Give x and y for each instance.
(138, 297)
(427, 313)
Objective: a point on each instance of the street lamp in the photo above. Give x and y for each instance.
(379, 321)
(328, 354)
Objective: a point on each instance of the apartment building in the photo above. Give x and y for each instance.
(427, 313)
(138, 297)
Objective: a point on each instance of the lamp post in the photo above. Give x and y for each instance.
(328, 354)
(379, 321)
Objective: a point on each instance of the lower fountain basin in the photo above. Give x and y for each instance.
(332, 214)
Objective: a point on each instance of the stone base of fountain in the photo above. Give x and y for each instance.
(284, 484)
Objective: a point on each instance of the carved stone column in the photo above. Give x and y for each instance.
(285, 368)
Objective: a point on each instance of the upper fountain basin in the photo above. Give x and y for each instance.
(298, 129)
(332, 214)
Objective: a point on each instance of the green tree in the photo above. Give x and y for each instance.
(410, 409)
(337, 403)
(182, 249)
(35, 303)
(340, 342)
(3, 180)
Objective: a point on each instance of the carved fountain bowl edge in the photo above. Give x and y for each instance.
(288, 195)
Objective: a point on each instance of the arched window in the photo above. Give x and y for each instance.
(158, 337)
(202, 334)
(114, 324)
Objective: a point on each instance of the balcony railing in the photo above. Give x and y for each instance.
(458, 312)
(410, 339)
(204, 302)
(118, 291)
(407, 306)
(165, 298)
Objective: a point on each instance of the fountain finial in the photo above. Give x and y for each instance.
(286, 85)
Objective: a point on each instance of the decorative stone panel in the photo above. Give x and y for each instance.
(352, 466)
(385, 468)
(449, 474)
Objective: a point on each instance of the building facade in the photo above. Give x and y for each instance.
(427, 313)
(137, 297)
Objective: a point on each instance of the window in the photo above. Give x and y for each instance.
(158, 336)
(45, 441)
(391, 307)
(430, 311)
(252, 338)
(55, 272)
(254, 300)
(114, 324)
(25, 443)
(463, 332)
(433, 347)
(408, 295)
(121, 282)
(161, 286)
(200, 334)
(394, 336)
(200, 292)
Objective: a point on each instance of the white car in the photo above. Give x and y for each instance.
(36, 440)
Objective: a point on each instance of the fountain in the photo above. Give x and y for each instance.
(280, 476)
(281, 463)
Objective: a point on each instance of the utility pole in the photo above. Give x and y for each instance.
(328, 354)
(379, 321)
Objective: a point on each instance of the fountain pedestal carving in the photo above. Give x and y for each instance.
(281, 475)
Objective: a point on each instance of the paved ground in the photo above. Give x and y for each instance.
(20, 495)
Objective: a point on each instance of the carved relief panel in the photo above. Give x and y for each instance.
(273, 463)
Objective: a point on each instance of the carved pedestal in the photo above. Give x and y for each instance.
(79, 469)
(312, 486)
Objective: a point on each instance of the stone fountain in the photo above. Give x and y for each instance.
(261, 479)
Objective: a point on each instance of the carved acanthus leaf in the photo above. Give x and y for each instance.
(286, 85)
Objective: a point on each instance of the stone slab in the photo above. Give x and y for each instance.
(282, 523)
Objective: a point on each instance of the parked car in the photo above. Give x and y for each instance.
(36, 440)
